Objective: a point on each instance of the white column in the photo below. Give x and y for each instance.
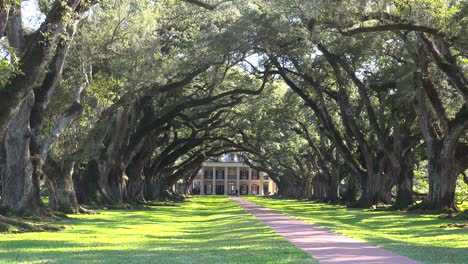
(202, 181)
(260, 176)
(250, 182)
(213, 188)
(237, 179)
(225, 180)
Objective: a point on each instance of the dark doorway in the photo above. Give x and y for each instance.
(244, 189)
(220, 189)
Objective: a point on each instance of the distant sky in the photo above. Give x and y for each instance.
(32, 17)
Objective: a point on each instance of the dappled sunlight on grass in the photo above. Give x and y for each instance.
(203, 230)
(417, 236)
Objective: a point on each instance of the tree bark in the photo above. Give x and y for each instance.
(371, 192)
(35, 55)
(441, 148)
(191, 177)
(405, 179)
(157, 186)
(136, 181)
(309, 187)
(289, 186)
(350, 194)
(20, 185)
(112, 160)
(59, 180)
(442, 178)
(321, 187)
(85, 182)
(333, 189)
(3, 19)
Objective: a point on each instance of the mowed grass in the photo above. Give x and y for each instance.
(419, 237)
(202, 230)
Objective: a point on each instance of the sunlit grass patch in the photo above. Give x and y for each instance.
(417, 236)
(202, 230)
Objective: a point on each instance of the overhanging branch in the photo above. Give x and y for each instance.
(392, 27)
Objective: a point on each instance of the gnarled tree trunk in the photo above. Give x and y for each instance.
(59, 180)
(442, 178)
(85, 182)
(405, 179)
(20, 185)
(290, 186)
(309, 187)
(136, 182)
(321, 187)
(441, 147)
(371, 187)
(349, 196)
(111, 161)
(157, 186)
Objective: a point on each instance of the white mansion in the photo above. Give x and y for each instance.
(229, 173)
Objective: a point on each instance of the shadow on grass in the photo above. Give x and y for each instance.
(416, 236)
(157, 255)
(205, 230)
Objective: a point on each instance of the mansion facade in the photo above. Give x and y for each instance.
(225, 176)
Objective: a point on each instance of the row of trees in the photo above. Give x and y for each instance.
(384, 83)
(117, 101)
(113, 102)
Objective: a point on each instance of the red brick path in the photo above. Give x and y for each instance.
(322, 244)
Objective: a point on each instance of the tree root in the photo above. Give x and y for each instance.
(18, 225)
(116, 206)
(455, 216)
(424, 208)
(459, 225)
(83, 210)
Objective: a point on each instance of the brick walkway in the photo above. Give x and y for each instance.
(322, 244)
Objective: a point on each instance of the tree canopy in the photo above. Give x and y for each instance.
(360, 102)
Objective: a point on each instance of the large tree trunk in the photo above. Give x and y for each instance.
(136, 183)
(20, 185)
(136, 178)
(289, 186)
(188, 181)
(442, 166)
(111, 182)
(153, 182)
(350, 194)
(36, 53)
(59, 180)
(405, 179)
(112, 160)
(388, 182)
(371, 187)
(442, 178)
(321, 187)
(157, 186)
(333, 189)
(309, 187)
(3, 18)
(85, 181)
(370, 192)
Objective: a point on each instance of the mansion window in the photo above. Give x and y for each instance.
(244, 174)
(220, 174)
(255, 175)
(208, 173)
(232, 173)
(244, 189)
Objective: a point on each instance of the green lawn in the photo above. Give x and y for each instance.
(202, 230)
(416, 236)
